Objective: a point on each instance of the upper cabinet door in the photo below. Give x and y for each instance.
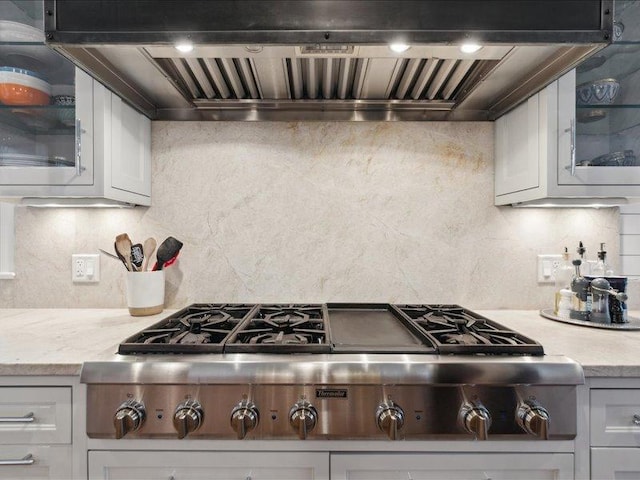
(130, 149)
(599, 111)
(517, 145)
(44, 119)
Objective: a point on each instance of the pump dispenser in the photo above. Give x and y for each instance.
(601, 269)
(581, 253)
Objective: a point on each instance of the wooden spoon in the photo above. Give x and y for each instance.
(148, 248)
(123, 248)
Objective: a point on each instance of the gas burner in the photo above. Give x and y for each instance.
(457, 330)
(280, 338)
(286, 328)
(199, 328)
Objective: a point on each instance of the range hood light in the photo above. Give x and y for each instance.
(184, 47)
(470, 47)
(399, 47)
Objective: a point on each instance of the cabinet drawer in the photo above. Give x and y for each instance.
(35, 462)
(615, 417)
(35, 415)
(141, 465)
(615, 463)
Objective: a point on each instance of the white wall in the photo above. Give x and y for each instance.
(305, 212)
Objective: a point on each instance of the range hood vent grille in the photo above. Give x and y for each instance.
(278, 60)
(204, 80)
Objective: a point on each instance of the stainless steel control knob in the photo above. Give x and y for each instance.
(188, 417)
(533, 419)
(475, 419)
(129, 417)
(303, 418)
(244, 418)
(390, 418)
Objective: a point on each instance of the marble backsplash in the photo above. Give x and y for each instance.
(313, 212)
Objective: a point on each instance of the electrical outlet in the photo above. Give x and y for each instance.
(548, 265)
(85, 267)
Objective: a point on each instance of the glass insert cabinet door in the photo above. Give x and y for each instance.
(45, 105)
(599, 128)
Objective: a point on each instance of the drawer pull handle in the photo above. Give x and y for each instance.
(26, 460)
(636, 419)
(28, 418)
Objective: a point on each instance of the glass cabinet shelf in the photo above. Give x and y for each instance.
(49, 119)
(608, 120)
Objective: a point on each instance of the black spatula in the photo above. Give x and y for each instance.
(137, 256)
(166, 251)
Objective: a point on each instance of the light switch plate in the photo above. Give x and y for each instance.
(85, 267)
(547, 267)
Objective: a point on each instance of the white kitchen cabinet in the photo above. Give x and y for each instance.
(456, 466)
(7, 241)
(112, 158)
(35, 415)
(539, 148)
(35, 432)
(145, 465)
(615, 433)
(615, 417)
(35, 462)
(615, 464)
(72, 137)
(579, 136)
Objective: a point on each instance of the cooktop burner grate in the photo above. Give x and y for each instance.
(304, 328)
(199, 328)
(454, 329)
(283, 328)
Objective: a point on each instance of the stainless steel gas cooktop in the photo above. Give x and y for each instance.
(332, 371)
(328, 328)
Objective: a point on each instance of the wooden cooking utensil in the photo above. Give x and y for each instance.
(123, 249)
(148, 248)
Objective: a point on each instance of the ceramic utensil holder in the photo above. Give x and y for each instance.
(145, 293)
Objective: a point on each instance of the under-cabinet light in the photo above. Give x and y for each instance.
(38, 202)
(573, 203)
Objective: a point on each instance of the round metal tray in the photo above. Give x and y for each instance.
(632, 324)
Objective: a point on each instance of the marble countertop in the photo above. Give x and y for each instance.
(58, 341)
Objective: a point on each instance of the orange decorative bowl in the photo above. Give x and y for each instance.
(23, 87)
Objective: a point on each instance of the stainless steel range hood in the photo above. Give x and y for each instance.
(326, 60)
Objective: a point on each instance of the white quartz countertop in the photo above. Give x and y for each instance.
(58, 341)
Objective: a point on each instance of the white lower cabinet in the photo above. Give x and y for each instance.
(35, 462)
(452, 466)
(615, 464)
(615, 433)
(35, 433)
(144, 465)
